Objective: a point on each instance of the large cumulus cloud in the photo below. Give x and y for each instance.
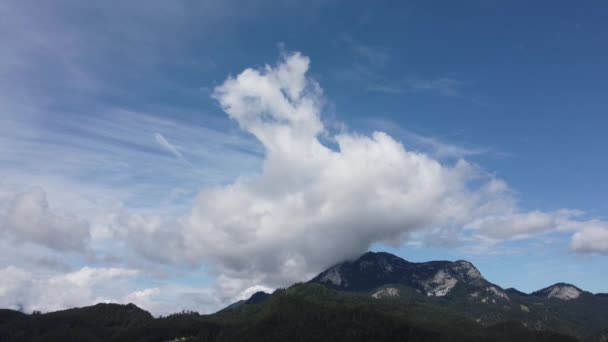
(313, 205)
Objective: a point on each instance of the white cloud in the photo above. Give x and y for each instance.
(521, 225)
(592, 239)
(30, 219)
(312, 205)
(146, 299)
(11, 286)
(87, 276)
(21, 289)
(434, 146)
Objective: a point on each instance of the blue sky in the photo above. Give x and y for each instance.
(122, 142)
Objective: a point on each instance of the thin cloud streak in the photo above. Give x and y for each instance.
(162, 141)
(439, 147)
(444, 86)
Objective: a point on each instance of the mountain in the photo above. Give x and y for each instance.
(256, 298)
(93, 323)
(377, 297)
(561, 291)
(601, 336)
(303, 312)
(433, 279)
(516, 292)
(459, 288)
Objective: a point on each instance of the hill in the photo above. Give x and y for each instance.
(377, 297)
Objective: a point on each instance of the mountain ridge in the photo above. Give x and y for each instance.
(378, 296)
(332, 280)
(459, 287)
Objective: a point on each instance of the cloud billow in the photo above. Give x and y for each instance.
(591, 239)
(30, 219)
(313, 205)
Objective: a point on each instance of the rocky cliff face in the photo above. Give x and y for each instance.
(561, 291)
(433, 279)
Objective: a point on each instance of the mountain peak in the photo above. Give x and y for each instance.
(376, 264)
(258, 297)
(562, 291)
(373, 270)
(469, 269)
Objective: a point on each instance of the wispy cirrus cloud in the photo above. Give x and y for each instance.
(444, 86)
(81, 142)
(439, 147)
(373, 56)
(369, 67)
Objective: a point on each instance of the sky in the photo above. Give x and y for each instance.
(182, 155)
